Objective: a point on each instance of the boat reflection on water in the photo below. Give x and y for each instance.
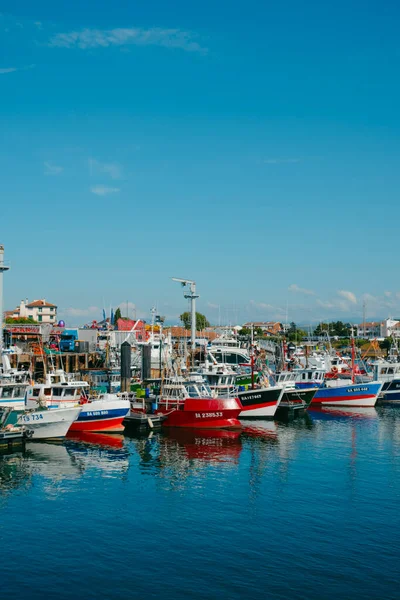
(14, 472)
(264, 431)
(344, 412)
(51, 460)
(101, 451)
(216, 445)
(99, 439)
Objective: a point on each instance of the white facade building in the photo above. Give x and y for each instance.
(38, 310)
(370, 330)
(390, 327)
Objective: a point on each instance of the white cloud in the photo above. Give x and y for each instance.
(262, 305)
(103, 38)
(113, 169)
(211, 305)
(387, 294)
(50, 169)
(13, 69)
(326, 304)
(349, 296)
(81, 312)
(295, 288)
(103, 190)
(9, 70)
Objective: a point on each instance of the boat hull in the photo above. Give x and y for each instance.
(348, 395)
(261, 403)
(48, 424)
(390, 391)
(207, 413)
(102, 416)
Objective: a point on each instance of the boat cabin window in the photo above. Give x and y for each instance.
(19, 391)
(383, 370)
(57, 391)
(193, 391)
(390, 371)
(7, 392)
(35, 392)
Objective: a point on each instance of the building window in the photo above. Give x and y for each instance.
(40, 310)
(40, 318)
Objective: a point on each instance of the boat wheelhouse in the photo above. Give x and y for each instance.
(389, 374)
(13, 386)
(309, 378)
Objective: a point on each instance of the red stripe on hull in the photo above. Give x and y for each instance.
(342, 399)
(106, 425)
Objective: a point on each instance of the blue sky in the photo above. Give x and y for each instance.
(251, 146)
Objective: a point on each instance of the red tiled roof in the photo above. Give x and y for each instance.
(39, 303)
(185, 333)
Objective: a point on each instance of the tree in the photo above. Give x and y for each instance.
(117, 315)
(21, 321)
(201, 321)
(296, 335)
(337, 328)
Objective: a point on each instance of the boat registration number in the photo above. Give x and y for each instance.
(208, 415)
(96, 413)
(357, 390)
(30, 418)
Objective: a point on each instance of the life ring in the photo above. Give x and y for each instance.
(334, 369)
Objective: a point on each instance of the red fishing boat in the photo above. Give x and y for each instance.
(190, 403)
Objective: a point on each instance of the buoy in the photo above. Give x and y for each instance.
(150, 422)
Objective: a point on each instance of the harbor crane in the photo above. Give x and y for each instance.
(192, 297)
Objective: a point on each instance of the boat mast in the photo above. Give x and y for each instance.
(192, 297)
(3, 268)
(352, 355)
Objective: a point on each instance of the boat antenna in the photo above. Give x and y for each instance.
(3, 269)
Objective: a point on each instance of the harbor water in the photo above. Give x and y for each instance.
(307, 509)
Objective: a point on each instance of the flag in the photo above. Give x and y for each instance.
(112, 317)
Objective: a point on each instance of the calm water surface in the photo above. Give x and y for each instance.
(303, 510)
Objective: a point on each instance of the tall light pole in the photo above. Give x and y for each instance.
(3, 268)
(192, 297)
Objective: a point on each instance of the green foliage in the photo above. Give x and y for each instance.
(335, 328)
(385, 344)
(201, 321)
(296, 335)
(21, 321)
(117, 315)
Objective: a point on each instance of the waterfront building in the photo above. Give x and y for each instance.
(390, 328)
(268, 327)
(370, 330)
(38, 310)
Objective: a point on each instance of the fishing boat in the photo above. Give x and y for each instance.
(294, 398)
(103, 413)
(352, 394)
(259, 401)
(389, 374)
(190, 403)
(335, 393)
(47, 424)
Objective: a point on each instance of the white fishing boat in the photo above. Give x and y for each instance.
(45, 424)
